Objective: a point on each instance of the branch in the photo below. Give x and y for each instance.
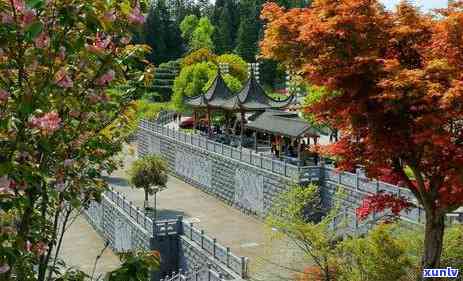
(58, 248)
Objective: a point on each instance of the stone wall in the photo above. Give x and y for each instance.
(182, 246)
(199, 250)
(122, 232)
(251, 182)
(235, 182)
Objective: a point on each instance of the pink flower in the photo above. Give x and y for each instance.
(48, 123)
(40, 248)
(100, 44)
(28, 247)
(4, 268)
(110, 15)
(6, 18)
(4, 95)
(42, 40)
(106, 78)
(19, 5)
(28, 17)
(62, 79)
(5, 186)
(136, 17)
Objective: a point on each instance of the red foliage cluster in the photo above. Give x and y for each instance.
(397, 88)
(380, 202)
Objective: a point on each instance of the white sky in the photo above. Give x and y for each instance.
(426, 5)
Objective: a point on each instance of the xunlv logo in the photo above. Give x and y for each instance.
(440, 272)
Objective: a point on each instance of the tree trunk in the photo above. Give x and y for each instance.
(433, 242)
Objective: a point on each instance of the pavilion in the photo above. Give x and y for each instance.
(252, 98)
(289, 125)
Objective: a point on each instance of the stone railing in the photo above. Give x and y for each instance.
(120, 223)
(357, 184)
(127, 228)
(130, 209)
(203, 274)
(240, 154)
(222, 254)
(165, 117)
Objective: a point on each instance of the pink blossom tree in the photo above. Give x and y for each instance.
(60, 62)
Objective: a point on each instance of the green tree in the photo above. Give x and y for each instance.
(190, 82)
(237, 66)
(135, 267)
(188, 26)
(201, 55)
(380, 256)
(226, 20)
(197, 33)
(249, 30)
(202, 35)
(296, 215)
(149, 173)
(162, 34)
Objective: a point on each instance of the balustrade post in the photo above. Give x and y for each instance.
(228, 256)
(357, 180)
(250, 156)
(243, 267)
(202, 239)
(214, 247)
(209, 267)
(241, 152)
(222, 149)
(191, 231)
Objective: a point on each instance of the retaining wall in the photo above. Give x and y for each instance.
(182, 246)
(250, 181)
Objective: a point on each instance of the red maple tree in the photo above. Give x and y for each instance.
(395, 86)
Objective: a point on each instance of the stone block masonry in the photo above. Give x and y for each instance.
(250, 182)
(238, 183)
(182, 246)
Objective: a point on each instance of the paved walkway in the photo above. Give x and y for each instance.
(245, 235)
(82, 244)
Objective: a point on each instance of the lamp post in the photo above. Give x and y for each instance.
(155, 207)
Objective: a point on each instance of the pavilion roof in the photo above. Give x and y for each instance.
(217, 94)
(251, 98)
(283, 123)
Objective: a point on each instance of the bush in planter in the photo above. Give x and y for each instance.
(150, 174)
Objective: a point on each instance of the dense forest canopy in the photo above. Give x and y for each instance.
(236, 24)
